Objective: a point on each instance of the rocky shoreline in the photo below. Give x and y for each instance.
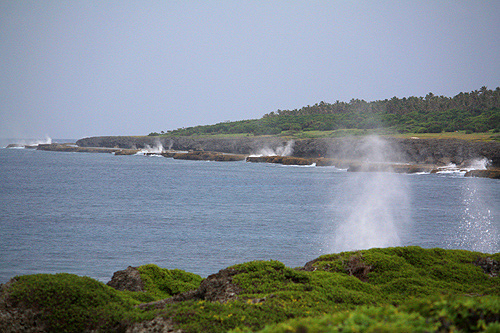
(363, 154)
(415, 151)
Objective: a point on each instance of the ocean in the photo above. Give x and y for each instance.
(94, 214)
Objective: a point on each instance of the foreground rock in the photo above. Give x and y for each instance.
(128, 279)
(489, 266)
(15, 318)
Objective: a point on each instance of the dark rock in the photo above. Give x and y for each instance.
(357, 268)
(389, 167)
(170, 154)
(159, 324)
(354, 266)
(285, 160)
(128, 279)
(207, 156)
(489, 266)
(217, 287)
(494, 174)
(256, 159)
(16, 317)
(74, 149)
(422, 151)
(126, 152)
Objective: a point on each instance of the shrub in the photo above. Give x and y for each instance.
(69, 303)
(163, 283)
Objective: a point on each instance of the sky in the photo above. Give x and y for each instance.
(71, 69)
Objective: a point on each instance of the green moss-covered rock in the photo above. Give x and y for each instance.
(392, 289)
(412, 271)
(164, 283)
(68, 303)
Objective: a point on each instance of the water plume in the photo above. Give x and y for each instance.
(156, 149)
(478, 164)
(282, 150)
(36, 142)
(375, 205)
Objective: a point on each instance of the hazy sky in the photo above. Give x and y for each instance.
(71, 69)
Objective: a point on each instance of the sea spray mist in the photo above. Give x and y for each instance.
(476, 230)
(375, 205)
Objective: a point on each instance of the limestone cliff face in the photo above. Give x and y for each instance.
(429, 151)
(243, 145)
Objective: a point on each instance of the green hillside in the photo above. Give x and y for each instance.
(476, 111)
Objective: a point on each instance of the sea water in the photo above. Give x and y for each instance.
(94, 214)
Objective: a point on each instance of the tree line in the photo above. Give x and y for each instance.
(475, 111)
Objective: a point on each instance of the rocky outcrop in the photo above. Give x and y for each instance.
(492, 173)
(159, 324)
(72, 148)
(128, 279)
(285, 160)
(414, 151)
(240, 145)
(18, 145)
(390, 167)
(206, 156)
(16, 317)
(489, 266)
(217, 287)
(354, 266)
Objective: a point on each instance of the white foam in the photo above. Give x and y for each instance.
(479, 164)
(31, 142)
(157, 149)
(286, 150)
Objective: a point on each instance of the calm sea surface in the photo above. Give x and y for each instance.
(94, 214)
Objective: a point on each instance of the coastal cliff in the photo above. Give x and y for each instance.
(415, 151)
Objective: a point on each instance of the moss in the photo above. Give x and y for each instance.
(163, 283)
(69, 303)
(415, 268)
(268, 277)
(326, 291)
(422, 315)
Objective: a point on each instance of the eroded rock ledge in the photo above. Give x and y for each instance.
(366, 154)
(413, 151)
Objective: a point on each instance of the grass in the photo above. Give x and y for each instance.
(397, 289)
(71, 303)
(163, 283)
(462, 135)
(437, 314)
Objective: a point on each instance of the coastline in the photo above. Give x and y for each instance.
(360, 154)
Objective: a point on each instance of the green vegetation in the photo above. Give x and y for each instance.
(474, 112)
(163, 283)
(74, 304)
(398, 289)
(436, 314)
